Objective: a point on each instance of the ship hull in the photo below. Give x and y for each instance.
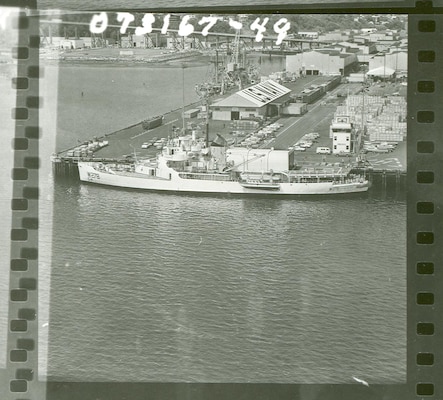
(88, 174)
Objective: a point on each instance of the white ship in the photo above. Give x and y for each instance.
(187, 165)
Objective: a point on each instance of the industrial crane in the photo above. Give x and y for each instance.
(248, 160)
(234, 71)
(237, 72)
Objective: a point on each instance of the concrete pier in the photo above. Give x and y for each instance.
(126, 144)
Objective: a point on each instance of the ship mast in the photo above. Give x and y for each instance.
(183, 98)
(204, 93)
(207, 122)
(363, 116)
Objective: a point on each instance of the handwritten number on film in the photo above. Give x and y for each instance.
(99, 23)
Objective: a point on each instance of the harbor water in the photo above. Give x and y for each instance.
(96, 99)
(178, 288)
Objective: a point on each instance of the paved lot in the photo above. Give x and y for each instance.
(318, 119)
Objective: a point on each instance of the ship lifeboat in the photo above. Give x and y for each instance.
(255, 184)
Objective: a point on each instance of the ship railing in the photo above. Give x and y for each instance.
(317, 175)
(354, 179)
(321, 172)
(205, 176)
(264, 176)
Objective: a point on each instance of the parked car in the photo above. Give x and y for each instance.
(323, 150)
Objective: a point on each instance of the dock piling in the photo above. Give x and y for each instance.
(383, 179)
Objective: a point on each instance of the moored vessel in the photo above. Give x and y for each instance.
(187, 164)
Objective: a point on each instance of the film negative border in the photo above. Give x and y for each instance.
(22, 342)
(425, 194)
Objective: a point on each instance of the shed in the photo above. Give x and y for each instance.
(295, 109)
(258, 101)
(381, 72)
(72, 44)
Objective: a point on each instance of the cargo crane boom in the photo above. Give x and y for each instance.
(244, 162)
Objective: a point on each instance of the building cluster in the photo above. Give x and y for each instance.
(376, 118)
(127, 41)
(382, 53)
(384, 118)
(356, 56)
(269, 99)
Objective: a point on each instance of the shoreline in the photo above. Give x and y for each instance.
(139, 58)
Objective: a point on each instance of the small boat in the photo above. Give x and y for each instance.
(255, 184)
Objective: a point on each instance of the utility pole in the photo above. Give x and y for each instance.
(216, 66)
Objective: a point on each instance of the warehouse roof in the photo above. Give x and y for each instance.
(255, 96)
(235, 100)
(331, 52)
(264, 92)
